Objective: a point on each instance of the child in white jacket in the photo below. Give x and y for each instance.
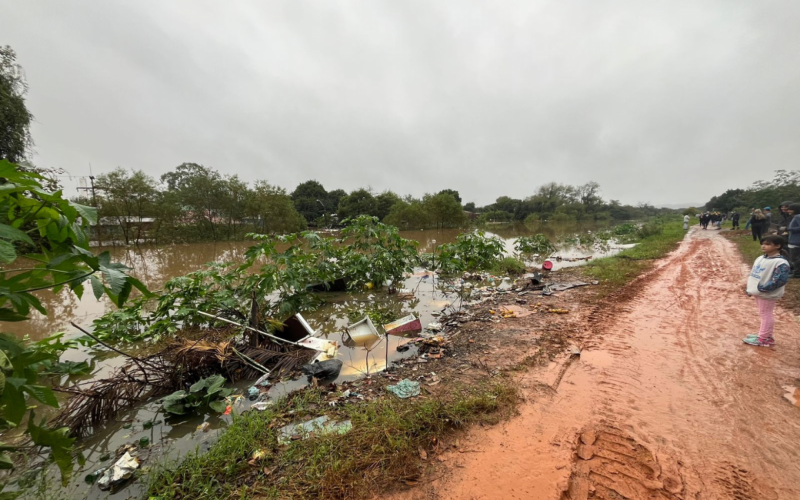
(766, 283)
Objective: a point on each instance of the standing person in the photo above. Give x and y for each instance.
(785, 218)
(735, 220)
(719, 221)
(767, 283)
(757, 223)
(793, 229)
(685, 222)
(768, 215)
(704, 220)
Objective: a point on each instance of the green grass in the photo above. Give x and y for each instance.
(623, 267)
(749, 249)
(381, 449)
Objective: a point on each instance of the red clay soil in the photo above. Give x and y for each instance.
(665, 401)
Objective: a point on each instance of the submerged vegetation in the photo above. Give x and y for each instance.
(271, 285)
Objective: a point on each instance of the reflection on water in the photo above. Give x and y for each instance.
(155, 265)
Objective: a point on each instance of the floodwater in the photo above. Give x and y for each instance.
(154, 265)
(665, 403)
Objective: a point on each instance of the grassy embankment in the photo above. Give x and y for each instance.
(382, 448)
(749, 251)
(657, 241)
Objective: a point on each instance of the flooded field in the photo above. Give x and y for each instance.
(168, 438)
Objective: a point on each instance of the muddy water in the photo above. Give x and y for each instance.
(666, 402)
(155, 265)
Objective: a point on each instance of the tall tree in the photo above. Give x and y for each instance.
(452, 192)
(444, 210)
(384, 203)
(359, 202)
(273, 210)
(15, 119)
(201, 191)
(126, 198)
(311, 200)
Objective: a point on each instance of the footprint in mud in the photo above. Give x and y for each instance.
(792, 394)
(610, 465)
(739, 485)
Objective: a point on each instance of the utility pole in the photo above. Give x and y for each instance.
(94, 201)
(91, 180)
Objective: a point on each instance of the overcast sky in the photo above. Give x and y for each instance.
(659, 101)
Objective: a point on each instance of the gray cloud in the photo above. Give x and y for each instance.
(659, 101)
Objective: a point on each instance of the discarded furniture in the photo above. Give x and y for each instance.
(407, 324)
(361, 333)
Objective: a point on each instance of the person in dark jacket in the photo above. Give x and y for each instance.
(793, 228)
(735, 220)
(785, 218)
(758, 224)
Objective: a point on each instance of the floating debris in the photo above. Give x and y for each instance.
(361, 333)
(403, 325)
(121, 471)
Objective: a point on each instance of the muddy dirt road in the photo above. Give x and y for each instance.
(665, 401)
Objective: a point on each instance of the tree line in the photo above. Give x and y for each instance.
(194, 202)
(784, 186)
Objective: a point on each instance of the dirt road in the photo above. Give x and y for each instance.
(665, 401)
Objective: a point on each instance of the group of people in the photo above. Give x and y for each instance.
(772, 271)
(715, 219)
(760, 222)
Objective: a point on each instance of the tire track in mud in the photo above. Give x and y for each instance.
(664, 403)
(676, 380)
(613, 465)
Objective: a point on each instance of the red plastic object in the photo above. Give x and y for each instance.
(547, 265)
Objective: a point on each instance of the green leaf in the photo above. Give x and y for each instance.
(140, 286)
(57, 440)
(5, 364)
(5, 461)
(9, 233)
(7, 252)
(218, 406)
(42, 393)
(123, 294)
(97, 286)
(13, 402)
(215, 383)
(10, 315)
(198, 386)
(174, 406)
(116, 279)
(88, 213)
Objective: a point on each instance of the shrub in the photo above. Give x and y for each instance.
(509, 265)
(471, 252)
(527, 246)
